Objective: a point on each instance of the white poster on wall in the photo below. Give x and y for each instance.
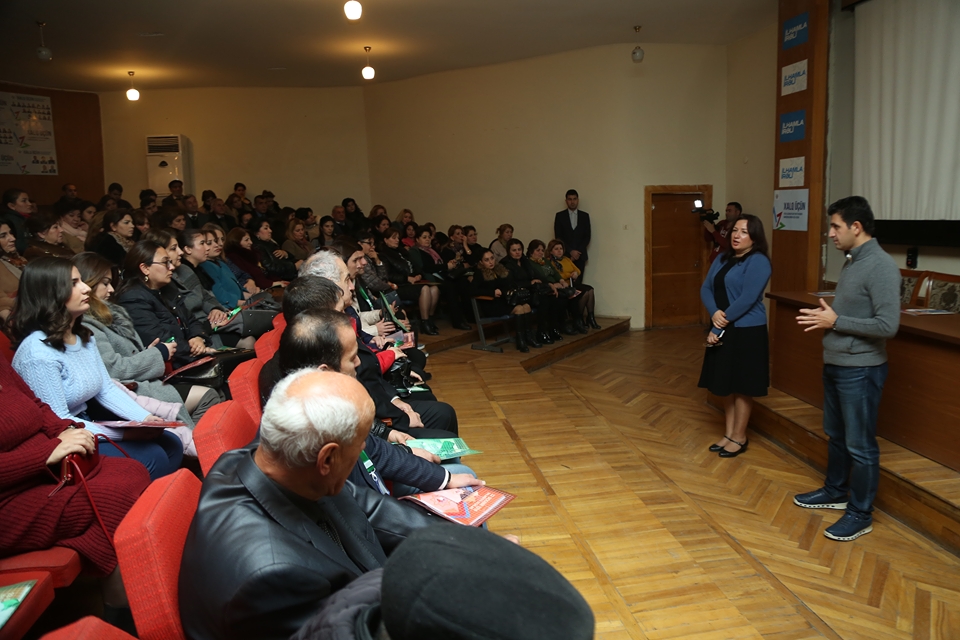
(790, 208)
(27, 146)
(791, 172)
(793, 78)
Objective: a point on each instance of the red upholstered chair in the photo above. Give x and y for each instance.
(32, 607)
(267, 344)
(149, 545)
(245, 387)
(61, 563)
(222, 428)
(279, 322)
(89, 628)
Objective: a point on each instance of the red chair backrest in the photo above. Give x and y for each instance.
(149, 544)
(245, 387)
(224, 427)
(279, 322)
(267, 344)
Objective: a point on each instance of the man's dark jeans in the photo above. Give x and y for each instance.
(851, 399)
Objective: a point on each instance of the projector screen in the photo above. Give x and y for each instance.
(906, 132)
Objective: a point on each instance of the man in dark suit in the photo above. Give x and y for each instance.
(573, 227)
(278, 528)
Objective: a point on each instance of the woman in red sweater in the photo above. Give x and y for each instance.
(32, 440)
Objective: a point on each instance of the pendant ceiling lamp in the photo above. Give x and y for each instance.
(132, 93)
(353, 9)
(368, 71)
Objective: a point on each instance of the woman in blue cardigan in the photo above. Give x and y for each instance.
(736, 365)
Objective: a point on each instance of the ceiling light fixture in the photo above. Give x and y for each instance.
(637, 53)
(43, 52)
(353, 9)
(368, 71)
(132, 94)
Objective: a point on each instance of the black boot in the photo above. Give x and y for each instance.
(531, 335)
(546, 322)
(578, 325)
(556, 335)
(546, 337)
(521, 330)
(427, 327)
(592, 321)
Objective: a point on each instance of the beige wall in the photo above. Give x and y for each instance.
(752, 81)
(308, 146)
(503, 143)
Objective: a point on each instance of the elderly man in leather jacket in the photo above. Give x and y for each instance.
(278, 527)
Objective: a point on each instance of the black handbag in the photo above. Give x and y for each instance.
(213, 370)
(518, 296)
(400, 379)
(567, 292)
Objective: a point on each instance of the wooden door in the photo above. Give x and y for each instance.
(677, 260)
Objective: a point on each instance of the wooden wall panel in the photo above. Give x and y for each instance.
(796, 254)
(76, 129)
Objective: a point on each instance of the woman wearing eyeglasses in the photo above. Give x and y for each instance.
(736, 364)
(148, 269)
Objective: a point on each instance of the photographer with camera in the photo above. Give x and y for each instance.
(717, 232)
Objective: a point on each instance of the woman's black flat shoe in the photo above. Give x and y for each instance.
(718, 447)
(733, 454)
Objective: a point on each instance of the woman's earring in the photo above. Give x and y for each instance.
(146, 279)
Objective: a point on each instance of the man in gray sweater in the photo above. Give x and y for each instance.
(865, 312)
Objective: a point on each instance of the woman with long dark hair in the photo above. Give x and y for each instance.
(355, 218)
(570, 277)
(16, 208)
(433, 268)
(238, 248)
(58, 358)
(736, 363)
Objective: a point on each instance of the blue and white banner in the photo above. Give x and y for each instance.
(791, 172)
(793, 126)
(790, 209)
(796, 31)
(793, 78)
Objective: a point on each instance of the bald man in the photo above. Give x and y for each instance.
(278, 527)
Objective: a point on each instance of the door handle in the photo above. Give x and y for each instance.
(696, 265)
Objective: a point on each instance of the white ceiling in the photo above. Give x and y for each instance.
(236, 42)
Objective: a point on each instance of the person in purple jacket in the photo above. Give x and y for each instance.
(736, 365)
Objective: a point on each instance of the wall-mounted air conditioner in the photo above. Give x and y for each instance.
(167, 158)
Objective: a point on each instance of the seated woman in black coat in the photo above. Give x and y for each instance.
(147, 270)
(410, 284)
(434, 268)
(526, 275)
(115, 236)
(495, 281)
(276, 262)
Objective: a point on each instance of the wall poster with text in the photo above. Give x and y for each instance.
(27, 146)
(790, 209)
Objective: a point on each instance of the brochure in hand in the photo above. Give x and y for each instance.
(165, 424)
(927, 312)
(388, 309)
(471, 506)
(443, 448)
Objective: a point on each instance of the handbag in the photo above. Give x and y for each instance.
(211, 371)
(518, 296)
(400, 379)
(567, 292)
(75, 468)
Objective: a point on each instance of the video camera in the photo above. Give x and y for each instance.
(706, 215)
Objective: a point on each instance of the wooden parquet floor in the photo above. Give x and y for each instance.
(607, 454)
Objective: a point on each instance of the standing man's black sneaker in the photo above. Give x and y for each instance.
(850, 527)
(819, 499)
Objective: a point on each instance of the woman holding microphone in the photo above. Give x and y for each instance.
(736, 364)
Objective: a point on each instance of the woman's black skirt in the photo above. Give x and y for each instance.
(740, 365)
